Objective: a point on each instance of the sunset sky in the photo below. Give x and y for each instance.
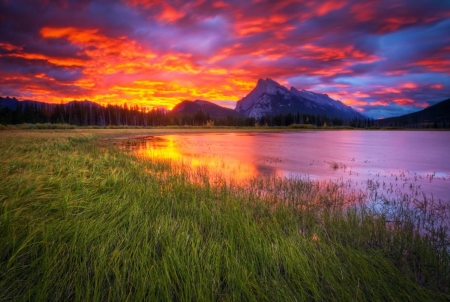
(382, 57)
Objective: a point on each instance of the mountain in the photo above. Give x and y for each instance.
(13, 103)
(211, 109)
(271, 98)
(10, 103)
(436, 115)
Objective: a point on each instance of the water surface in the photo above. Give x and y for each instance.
(417, 162)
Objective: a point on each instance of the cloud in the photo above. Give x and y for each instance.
(383, 57)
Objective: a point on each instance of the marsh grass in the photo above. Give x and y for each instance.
(81, 220)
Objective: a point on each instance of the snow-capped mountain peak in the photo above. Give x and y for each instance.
(269, 98)
(267, 86)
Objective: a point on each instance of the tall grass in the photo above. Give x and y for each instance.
(80, 220)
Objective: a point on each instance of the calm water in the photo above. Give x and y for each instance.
(414, 161)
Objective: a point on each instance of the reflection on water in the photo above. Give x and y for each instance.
(215, 152)
(414, 162)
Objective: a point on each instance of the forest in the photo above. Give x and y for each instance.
(86, 113)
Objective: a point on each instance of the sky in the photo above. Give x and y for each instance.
(382, 57)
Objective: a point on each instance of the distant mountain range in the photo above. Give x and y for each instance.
(436, 115)
(268, 98)
(13, 103)
(271, 98)
(213, 110)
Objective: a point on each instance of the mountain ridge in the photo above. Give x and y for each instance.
(270, 98)
(213, 110)
(438, 114)
(267, 98)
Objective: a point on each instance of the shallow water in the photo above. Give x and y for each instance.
(416, 162)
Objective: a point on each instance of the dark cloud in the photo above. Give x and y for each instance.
(65, 75)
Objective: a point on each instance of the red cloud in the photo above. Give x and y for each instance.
(409, 86)
(437, 86)
(438, 62)
(392, 24)
(328, 6)
(403, 101)
(170, 14)
(379, 103)
(314, 52)
(387, 90)
(10, 47)
(363, 11)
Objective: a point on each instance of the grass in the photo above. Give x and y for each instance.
(81, 220)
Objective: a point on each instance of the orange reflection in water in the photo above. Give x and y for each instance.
(221, 159)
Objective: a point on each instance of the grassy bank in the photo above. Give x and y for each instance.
(81, 220)
(293, 127)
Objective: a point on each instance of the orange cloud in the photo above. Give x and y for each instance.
(120, 70)
(248, 27)
(218, 71)
(53, 60)
(276, 24)
(244, 85)
(169, 14)
(10, 47)
(169, 93)
(74, 34)
(115, 57)
(108, 55)
(347, 98)
(353, 102)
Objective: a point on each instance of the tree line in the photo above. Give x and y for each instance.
(315, 120)
(86, 113)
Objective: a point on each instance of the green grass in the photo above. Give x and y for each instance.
(81, 220)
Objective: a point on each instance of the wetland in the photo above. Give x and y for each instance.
(80, 220)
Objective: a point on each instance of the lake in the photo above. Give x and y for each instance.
(413, 162)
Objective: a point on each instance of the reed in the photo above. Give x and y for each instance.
(81, 220)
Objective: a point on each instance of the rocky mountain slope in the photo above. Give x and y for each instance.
(270, 98)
